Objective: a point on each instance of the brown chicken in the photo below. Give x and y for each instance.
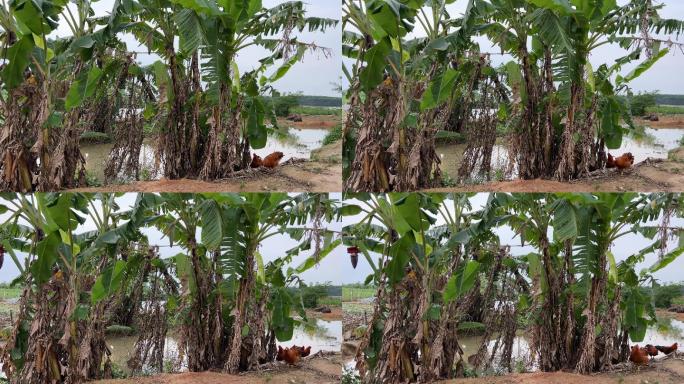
(272, 160)
(625, 161)
(291, 355)
(256, 161)
(667, 350)
(638, 355)
(651, 350)
(610, 163)
(281, 353)
(304, 352)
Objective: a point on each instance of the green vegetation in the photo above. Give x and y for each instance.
(283, 105)
(670, 99)
(209, 113)
(664, 296)
(666, 109)
(333, 135)
(313, 111)
(90, 137)
(641, 102)
(444, 265)
(126, 282)
(320, 101)
(356, 293)
(7, 292)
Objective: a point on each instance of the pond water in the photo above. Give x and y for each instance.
(321, 335)
(666, 332)
(643, 143)
(293, 142)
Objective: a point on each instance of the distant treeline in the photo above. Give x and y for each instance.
(320, 101)
(669, 99)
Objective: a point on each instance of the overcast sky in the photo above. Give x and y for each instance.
(312, 76)
(665, 76)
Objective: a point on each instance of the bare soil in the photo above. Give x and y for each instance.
(321, 173)
(318, 368)
(312, 121)
(647, 176)
(665, 121)
(664, 371)
(336, 314)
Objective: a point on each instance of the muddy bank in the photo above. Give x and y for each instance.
(665, 371)
(335, 314)
(312, 121)
(647, 176)
(665, 121)
(321, 173)
(319, 368)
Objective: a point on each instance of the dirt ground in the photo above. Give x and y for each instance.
(312, 121)
(336, 314)
(665, 121)
(316, 369)
(665, 371)
(321, 173)
(647, 176)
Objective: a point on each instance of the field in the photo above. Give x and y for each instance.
(355, 294)
(310, 110)
(667, 109)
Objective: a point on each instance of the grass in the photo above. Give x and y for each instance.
(353, 294)
(678, 301)
(90, 137)
(357, 308)
(666, 109)
(331, 301)
(333, 135)
(9, 293)
(308, 110)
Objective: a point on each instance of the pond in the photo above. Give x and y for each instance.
(293, 142)
(321, 335)
(666, 332)
(642, 143)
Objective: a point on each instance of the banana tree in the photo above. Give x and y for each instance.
(227, 303)
(435, 280)
(59, 332)
(406, 92)
(44, 82)
(565, 113)
(210, 114)
(577, 285)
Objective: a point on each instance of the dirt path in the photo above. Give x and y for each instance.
(648, 176)
(668, 371)
(322, 173)
(317, 369)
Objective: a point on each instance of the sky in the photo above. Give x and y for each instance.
(336, 267)
(665, 76)
(312, 76)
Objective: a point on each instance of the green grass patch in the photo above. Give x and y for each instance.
(678, 300)
(90, 137)
(354, 294)
(308, 110)
(666, 109)
(333, 135)
(9, 293)
(330, 301)
(357, 308)
(119, 330)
